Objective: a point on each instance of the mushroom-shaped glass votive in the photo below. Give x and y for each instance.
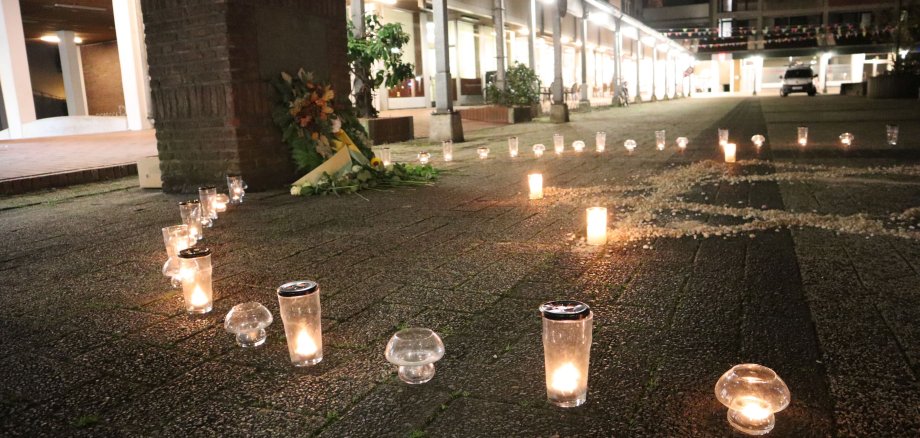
(512, 147)
(752, 393)
(237, 188)
(447, 148)
(538, 150)
(423, 157)
(846, 139)
(558, 143)
(483, 152)
(600, 141)
(415, 350)
(682, 142)
(758, 140)
(248, 322)
(630, 145)
(578, 145)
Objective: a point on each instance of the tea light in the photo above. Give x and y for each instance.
(423, 157)
(248, 322)
(891, 134)
(723, 136)
(236, 187)
(600, 141)
(558, 143)
(597, 226)
(190, 211)
(630, 145)
(660, 139)
(758, 140)
(195, 275)
(682, 142)
(483, 152)
(206, 196)
(415, 350)
(566, 351)
(301, 315)
(752, 393)
(175, 238)
(802, 132)
(846, 139)
(730, 150)
(538, 150)
(447, 148)
(578, 145)
(513, 147)
(385, 156)
(535, 181)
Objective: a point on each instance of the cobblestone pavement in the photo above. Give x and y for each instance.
(787, 260)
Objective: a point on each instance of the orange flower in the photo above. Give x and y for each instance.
(314, 135)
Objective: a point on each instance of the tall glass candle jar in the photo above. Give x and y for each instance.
(195, 273)
(300, 313)
(207, 195)
(660, 139)
(175, 238)
(447, 148)
(512, 147)
(802, 134)
(566, 351)
(385, 156)
(558, 143)
(723, 136)
(190, 211)
(600, 141)
(236, 187)
(891, 134)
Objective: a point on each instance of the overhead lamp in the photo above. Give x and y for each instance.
(565, 39)
(80, 7)
(54, 39)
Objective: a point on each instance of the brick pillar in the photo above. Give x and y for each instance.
(210, 63)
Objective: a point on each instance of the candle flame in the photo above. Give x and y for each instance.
(198, 297)
(755, 410)
(304, 344)
(565, 379)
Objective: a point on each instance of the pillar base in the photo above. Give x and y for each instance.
(559, 113)
(584, 103)
(446, 126)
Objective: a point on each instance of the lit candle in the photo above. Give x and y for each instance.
(597, 226)
(846, 139)
(535, 180)
(758, 140)
(299, 305)
(513, 147)
(752, 393)
(236, 187)
(723, 136)
(802, 135)
(660, 139)
(682, 142)
(630, 145)
(195, 273)
(891, 134)
(206, 196)
(600, 141)
(578, 145)
(558, 143)
(538, 150)
(385, 156)
(190, 211)
(423, 157)
(730, 150)
(219, 202)
(483, 152)
(566, 351)
(447, 148)
(175, 239)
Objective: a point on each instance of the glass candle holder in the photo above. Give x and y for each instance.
(578, 146)
(538, 150)
(661, 139)
(415, 350)
(248, 322)
(482, 152)
(723, 136)
(558, 143)
(190, 211)
(846, 139)
(802, 135)
(566, 351)
(758, 140)
(535, 181)
(891, 134)
(385, 156)
(730, 150)
(512, 147)
(600, 141)
(195, 273)
(447, 148)
(175, 238)
(301, 315)
(630, 145)
(752, 393)
(220, 202)
(206, 196)
(682, 142)
(597, 226)
(423, 157)
(236, 187)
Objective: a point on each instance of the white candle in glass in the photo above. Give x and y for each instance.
(447, 147)
(802, 132)
(535, 181)
(597, 226)
(660, 139)
(600, 141)
(566, 351)
(513, 147)
(730, 150)
(723, 136)
(558, 143)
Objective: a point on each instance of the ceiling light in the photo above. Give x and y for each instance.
(80, 7)
(54, 39)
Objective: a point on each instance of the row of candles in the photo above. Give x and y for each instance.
(752, 393)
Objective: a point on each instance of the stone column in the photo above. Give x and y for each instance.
(498, 19)
(617, 62)
(445, 122)
(655, 72)
(583, 96)
(357, 17)
(532, 37)
(72, 71)
(668, 75)
(559, 111)
(638, 52)
(822, 71)
(14, 70)
(132, 56)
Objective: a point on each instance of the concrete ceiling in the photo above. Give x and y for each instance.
(91, 20)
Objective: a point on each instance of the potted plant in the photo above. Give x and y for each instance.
(521, 95)
(904, 80)
(375, 60)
